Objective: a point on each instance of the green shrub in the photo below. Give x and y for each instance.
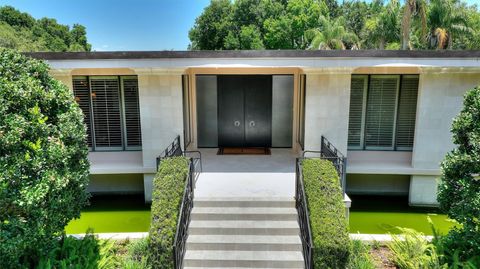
(86, 253)
(168, 187)
(43, 159)
(327, 214)
(360, 257)
(137, 252)
(412, 251)
(459, 190)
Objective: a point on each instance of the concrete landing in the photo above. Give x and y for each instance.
(236, 184)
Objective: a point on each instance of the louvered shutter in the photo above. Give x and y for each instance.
(356, 114)
(381, 112)
(407, 109)
(132, 113)
(81, 92)
(105, 95)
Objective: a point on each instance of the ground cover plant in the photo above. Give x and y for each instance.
(168, 187)
(43, 159)
(327, 214)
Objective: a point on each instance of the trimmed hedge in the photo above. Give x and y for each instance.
(168, 187)
(327, 214)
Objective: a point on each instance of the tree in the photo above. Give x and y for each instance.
(384, 28)
(459, 190)
(248, 39)
(211, 27)
(413, 9)
(331, 35)
(445, 21)
(27, 34)
(43, 156)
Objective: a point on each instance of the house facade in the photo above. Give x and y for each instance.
(389, 112)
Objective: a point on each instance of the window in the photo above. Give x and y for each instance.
(187, 137)
(382, 112)
(301, 114)
(112, 111)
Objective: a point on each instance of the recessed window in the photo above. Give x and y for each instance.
(112, 112)
(382, 112)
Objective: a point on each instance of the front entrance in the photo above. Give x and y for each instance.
(244, 111)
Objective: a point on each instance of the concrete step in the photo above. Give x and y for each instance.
(250, 259)
(244, 213)
(244, 242)
(244, 202)
(249, 227)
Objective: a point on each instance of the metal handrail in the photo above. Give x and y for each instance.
(186, 206)
(181, 234)
(303, 216)
(329, 152)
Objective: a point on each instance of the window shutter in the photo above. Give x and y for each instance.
(356, 114)
(407, 109)
(82, 97)
(381, 112)
(106, 112)
(132, 113)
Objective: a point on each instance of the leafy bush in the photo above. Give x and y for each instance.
(327, 214)
(86, 253)
(137, 255)
(459, 190)
(43, 159)
(360, 257)
(168, 187)
(412, 251)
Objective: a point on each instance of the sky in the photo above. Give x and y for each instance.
(116, 25)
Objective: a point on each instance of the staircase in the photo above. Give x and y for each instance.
(244, 233)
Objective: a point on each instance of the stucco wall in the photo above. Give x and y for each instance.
(116, 183)
(326, 110)
(440, 99)
(161, 117)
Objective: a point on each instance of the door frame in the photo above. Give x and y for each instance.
(194, 71)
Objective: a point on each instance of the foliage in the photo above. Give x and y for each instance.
(412, 251)
(327, 214)
(168, 187)
(136, 257)
(331, 35)
(360, 257)
(43, 158)
(376, 24)
(20, 31)
(86, 253)
(459, 189)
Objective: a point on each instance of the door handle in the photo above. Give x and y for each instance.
(252, 123)
(236, 123)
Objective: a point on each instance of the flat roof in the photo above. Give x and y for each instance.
(255, 54)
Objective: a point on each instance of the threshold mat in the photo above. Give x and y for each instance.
(243, 151)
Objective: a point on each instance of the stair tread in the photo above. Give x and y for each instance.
(222, 255)
(265, 224)
(245, 199)
(245, 210)
(245, 239)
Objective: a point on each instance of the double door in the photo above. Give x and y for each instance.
(244, 110)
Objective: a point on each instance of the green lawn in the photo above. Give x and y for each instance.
(369, 214)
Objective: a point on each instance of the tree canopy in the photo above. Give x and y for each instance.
(43, 158)
(326, 24)
(20, 31)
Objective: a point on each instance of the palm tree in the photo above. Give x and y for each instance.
(413, 8)
(384, 28)
(446, 21)
(331, 35)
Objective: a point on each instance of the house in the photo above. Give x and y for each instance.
(389, 112)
